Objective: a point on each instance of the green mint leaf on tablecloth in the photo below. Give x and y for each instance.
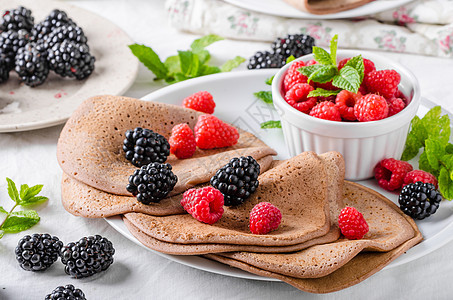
(150, 59)
(333, 49)
(269, 80)
(27, 192)
(348, 79)
(323, 74)
(34, 200)
(290, 59)
(199, 44)
(266, 96)
(322, 56)
(2, 210)
(231, 64)
(356, 62)
(12, 191)
(23, 191)
(20, 221)
(271, 124)
(319, 92)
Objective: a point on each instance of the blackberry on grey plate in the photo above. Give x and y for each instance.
(67, 292)
(88, 256)
(152, 183)
(55, 19)
(15, 19)
(10, 42)
(70, 59)
(38, 251)
(144, 146)
(419, 200)
(266, 60)
(65, 32)
(4, 71)
(31, 65)
(296, 45)
(237, 179)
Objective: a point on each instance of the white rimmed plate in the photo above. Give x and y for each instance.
(236, 104)
(25, 108)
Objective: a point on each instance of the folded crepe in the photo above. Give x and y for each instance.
(323, 7)
(90, 145)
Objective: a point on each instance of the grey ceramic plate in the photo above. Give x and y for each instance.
(25, 108)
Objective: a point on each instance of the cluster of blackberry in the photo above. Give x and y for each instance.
(293, 44)
(32, 50)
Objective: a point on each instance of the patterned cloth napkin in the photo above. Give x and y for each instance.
(421, 27)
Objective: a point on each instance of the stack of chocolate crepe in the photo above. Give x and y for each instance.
(306, 251)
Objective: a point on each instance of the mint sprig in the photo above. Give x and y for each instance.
(186, 64)
(271, 124)
(349, 78)
(17, 221)
(432, 133)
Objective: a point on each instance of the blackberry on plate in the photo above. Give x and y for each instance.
(31, 65)
(293, 44)
(88, 256)
(71, 59)
(266, 60)
(152, 183)
(419, 200)
(65, 32)
(67, 292)
(237, 179)
(55, 19)
(15, 19)
(144, 146)
(4, 72)
(10, 42)
(38, 251)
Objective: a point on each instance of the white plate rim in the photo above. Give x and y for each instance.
(425, 247)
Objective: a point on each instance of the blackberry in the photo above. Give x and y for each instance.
(15, 19)
(293, 44)
(65, 32)
(144, 146)
(38, 251)
(88, 256)
(266, 60)
(55, 19)
(71, 59)
(152, 183)
(237, 179)
(4, 72)
(31, 65)
(10, 42)
(419, 200)
(68, 292)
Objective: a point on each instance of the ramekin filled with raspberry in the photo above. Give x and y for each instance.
(365, 125)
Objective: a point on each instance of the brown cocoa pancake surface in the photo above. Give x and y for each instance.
(323, 7)
(298, 187)
(90, 145)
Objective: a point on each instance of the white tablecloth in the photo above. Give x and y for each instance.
(29, 157)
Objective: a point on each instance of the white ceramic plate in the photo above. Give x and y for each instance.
(24, 108)
(282, 9)
(236, 104)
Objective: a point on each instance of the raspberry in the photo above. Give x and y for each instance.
(293, 76)
(205, 204)
(311, 62)
(210, 132)
(419, 175)
(201, 101)
(326, 110)
(264, 218)
(371, 107)
(326, 86)
(382, 82)
(390, 173)
(395, 106)
(345, 102)
(368, 64)
(182, 141)
(352, 223)
(297, 97)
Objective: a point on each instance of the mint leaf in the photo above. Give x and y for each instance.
(30, 192)
(423, 164)
(415, 139)
(150, 59)
(20, 221)
(180, 77)
(231, 64)
(323, 74)
(348, 79)
(445, 184)
(173, 65)
(333, 49)
(290, 59)
(269, 80)
(2, 210)
(322, 56)
(319, 92)
(201, 43)
(271, 124)
(434, 152)
(33, 200)
(207, 70)
(356, 62)
(189, 63)
(12, 190)
(204, 56)
(308, 70)
(23, 190)
(266, 96)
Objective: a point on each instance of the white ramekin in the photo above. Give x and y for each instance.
(362, 144)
